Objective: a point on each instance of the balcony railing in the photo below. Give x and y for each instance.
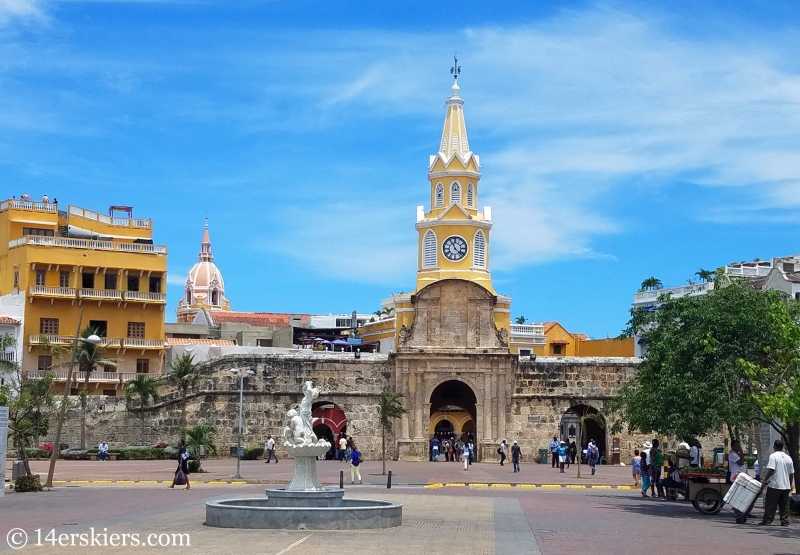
(100, 294)
(111, 342)
(89, 244)
(527, 330)
(45, 291)
(135, 343)
(748, 271)
(28, 205)
(8, 356)
(137, 223)
(145, 297)
(52, 339)
(78, 377)
(682, 291)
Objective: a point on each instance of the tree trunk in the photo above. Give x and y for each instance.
(792, 444)
(383, 447)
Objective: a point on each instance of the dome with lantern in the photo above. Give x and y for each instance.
(205, 287)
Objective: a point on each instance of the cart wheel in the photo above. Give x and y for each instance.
(708, 501)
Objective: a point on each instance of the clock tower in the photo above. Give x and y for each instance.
(454, 232)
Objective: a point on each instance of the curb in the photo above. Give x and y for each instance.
(527, 486)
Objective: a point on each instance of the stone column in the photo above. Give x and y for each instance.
(495, 409)
(501, 402)
(404, 431)
(487, 406)
(418, 405)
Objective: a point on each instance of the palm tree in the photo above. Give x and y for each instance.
(200, 436)
(652, 283)
(705, 275)
(378, 313)
(587, 416)
(387, 311)
(89, 357)
(390, 406)
(184, 374)
(521, 319)
(142, 390)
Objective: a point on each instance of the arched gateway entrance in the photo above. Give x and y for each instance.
(453, 412)
(571, 428)
(330, 423)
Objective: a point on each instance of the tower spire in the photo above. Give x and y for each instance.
(205, 246)
(454, 135)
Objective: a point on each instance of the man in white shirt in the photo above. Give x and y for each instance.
(779, 481)
(696, 455)
(102, 451)
(271, 450)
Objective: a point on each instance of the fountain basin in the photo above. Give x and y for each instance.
(293, 510)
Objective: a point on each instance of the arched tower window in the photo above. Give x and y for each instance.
(429, 250)
(214, 297)
(188, 296)
(470, 195)
(455, 193)
(439, 200)
(479, 250)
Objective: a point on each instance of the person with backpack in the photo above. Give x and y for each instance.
(182, 472)
(465, 455)
(355, 463)
(515, 454)
(501, 450)
(592, 455)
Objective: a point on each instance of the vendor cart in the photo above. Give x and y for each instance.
(705, 490)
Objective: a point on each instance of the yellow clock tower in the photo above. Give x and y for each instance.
(454, 234)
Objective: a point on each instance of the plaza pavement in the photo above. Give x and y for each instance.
(448, 520)
(403, 472)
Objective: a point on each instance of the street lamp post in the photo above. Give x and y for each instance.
(93, 340)
(241, 374)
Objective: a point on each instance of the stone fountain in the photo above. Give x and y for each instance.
(305, 503)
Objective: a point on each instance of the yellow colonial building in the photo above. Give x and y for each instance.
(57, 260)
(453, 237)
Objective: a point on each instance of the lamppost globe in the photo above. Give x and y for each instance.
(93, 340)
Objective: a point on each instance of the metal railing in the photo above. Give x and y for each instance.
(46, 291)
(682, 291)
(114, 221)
(529, 330)
(68, 242)
(28, 205)
(152, 297)
(100, 294)
(135, 343)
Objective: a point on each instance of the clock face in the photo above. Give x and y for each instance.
(454, 248)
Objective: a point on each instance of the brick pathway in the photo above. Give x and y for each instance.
(490, 521)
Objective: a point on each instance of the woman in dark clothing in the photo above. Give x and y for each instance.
(183, 464)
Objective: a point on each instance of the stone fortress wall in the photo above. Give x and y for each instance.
(542, 391)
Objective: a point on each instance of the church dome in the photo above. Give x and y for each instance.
(204, 285)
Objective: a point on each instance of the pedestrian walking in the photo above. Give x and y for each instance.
(779, 482)
(342, 447)
(515, 454)
(562, 455)
(459, 449)
(355, 463)
(554, 451)
(271, 450)
(435, 449)
(450, 451)
(656, 464)
(646, 467)
(465, 455)
(182, 472)
(636, 468)
(471, 451)
(592, 455)
(501, 450)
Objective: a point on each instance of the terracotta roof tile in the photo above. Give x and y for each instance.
(580, 336)
(258, 319)
(174, 341)
(559, 342)
(8, 320)
(549, 325)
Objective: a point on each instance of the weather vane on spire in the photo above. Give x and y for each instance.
(456, 69)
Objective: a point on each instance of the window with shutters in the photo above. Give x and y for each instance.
(63, 279)
(142, 366)
(439, 200)
(429, 250)
(136, 330)
(48, 326)
(45, 362)
(16, 279)
(479, 250)
(471, 195)
(455, 193)
(41, 277)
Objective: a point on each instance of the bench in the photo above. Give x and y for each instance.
(111, 456)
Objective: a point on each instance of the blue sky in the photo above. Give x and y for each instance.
(618, 140)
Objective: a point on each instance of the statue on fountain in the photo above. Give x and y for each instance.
(302, 443)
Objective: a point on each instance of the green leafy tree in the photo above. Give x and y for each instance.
(390, 406)
(651, 284)
(200, 436)
(705, 275)
(521, 319)
(27, 402)
(690, 381)
(775, 387)
(142, 392)
(184, 374)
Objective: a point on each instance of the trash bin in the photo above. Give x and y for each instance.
(543, 456)
(202, 451)
(17, 470)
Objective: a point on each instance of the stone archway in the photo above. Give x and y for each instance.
(455, 400)
(571, 424)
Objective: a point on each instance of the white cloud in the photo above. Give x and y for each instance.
(20, 9)
(176, 279)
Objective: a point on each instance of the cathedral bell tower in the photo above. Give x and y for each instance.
(453, 233)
